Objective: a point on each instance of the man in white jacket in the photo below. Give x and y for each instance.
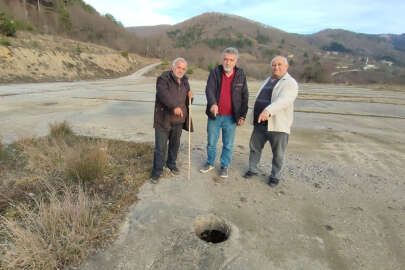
(272, 117)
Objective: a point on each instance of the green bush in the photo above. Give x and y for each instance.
(165, 62)
(2, 151)
(5, 42)
(190, 71)
(7, 26)
(124, 54)
(78, 49)
(21, 25)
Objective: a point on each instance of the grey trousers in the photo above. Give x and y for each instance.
(278, 143)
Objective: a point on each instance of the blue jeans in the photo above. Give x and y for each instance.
(228, 126)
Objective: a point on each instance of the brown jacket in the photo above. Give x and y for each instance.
(169, 95)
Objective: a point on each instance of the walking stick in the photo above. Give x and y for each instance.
(189, 137)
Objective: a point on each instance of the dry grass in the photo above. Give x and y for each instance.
(87, 162)
(63, 196)
(52, 235)
(57, 130)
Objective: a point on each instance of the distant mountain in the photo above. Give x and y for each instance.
(327, 56)
(147, 31)
(379, 47)
(201, 40)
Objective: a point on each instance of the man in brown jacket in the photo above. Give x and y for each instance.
(171, 116)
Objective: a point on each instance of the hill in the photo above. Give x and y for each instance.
(327, 56)
(32, 57)
(371, 58)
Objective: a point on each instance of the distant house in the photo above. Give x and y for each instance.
(370, 67)
(388, 63)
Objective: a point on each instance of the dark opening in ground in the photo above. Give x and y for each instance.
(213, 236)
(212, 229)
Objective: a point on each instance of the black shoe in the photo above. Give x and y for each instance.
(224, 172)
(273, 181)
(175, 170)
(155, 178)
(250, 174)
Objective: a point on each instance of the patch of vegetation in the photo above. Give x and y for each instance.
(65, 21)
(58, 130)
(51, 218)
(78, 49)
(314, 74)
(24, 26)
(190, 71)
(113, 19)
(5, 42)
(240, 42)
(7, 26)
(124, 54)
(336, 47)
(262, 38)
(2, 151)
(191, 36)
(270, 53)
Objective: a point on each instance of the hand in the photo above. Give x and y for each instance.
(264, 116)
(241, 122)
(214, 109)
(178, 112)
(190, 94)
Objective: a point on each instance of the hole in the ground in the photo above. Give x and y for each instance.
(212, 229)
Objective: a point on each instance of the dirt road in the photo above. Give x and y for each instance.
(341, 203)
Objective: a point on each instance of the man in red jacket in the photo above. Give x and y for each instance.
(171, 116)
(227, 105)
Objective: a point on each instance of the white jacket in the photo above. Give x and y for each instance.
(281, 108)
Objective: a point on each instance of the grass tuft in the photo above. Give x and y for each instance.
(57, 130)
(87, 162)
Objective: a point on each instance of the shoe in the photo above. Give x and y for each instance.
(224, 172)
(206, 168)
(250, 174)
(273, 181)
(175, 170)
(155, 179)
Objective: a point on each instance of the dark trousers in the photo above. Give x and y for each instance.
(278, 143)
(161, 138)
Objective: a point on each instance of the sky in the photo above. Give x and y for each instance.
(293, 16)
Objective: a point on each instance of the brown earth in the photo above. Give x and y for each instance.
(42, 58)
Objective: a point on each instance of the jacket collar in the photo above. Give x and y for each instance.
(173, 77)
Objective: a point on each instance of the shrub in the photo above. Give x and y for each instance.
(7, 26)
(2, 151)
(190, 71)
(21, 25)
(87, 163)
(57, 130)
(124, 54)
(165, 62)
(5, 42)
(78, 49)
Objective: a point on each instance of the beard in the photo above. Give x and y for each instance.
(228, 69)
